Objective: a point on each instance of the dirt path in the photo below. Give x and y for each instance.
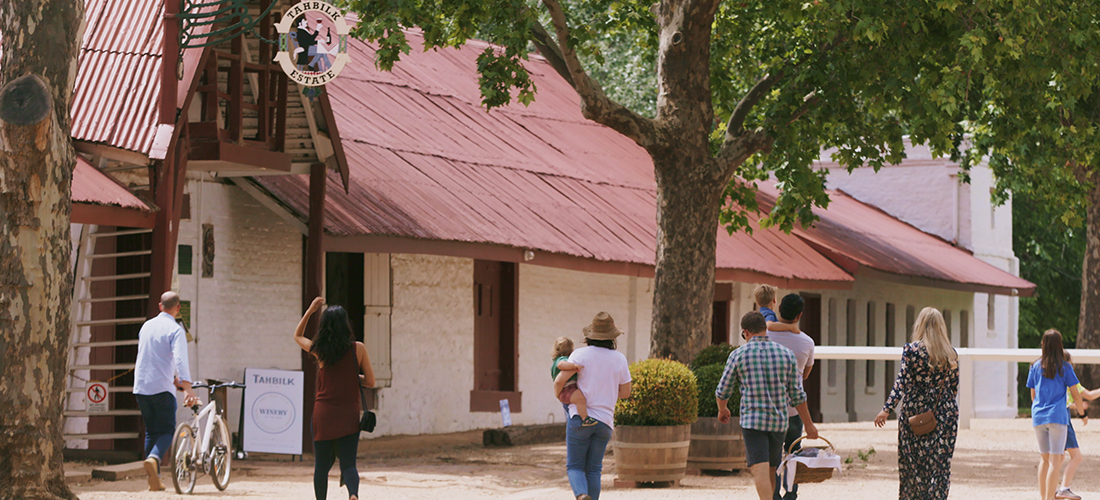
(995, 459)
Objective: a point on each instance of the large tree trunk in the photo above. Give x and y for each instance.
(36, 162)
(1088, 325)
(688, 200)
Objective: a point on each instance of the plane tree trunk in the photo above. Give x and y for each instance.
(40, 40)
(1088, 326)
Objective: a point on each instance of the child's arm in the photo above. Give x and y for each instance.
(568, 366)
(776, 326)
(1078, 402)
(1091, 395)
(559, 381)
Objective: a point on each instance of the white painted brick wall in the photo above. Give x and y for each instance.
(244, 316)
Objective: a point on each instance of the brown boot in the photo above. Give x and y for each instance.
(152, 469)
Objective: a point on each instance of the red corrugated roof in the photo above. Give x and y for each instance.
(428, 162)
(859, 238)
(118, 81)
(117, 92)
(90, 186)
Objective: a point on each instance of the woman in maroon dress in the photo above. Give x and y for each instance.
(336, 410)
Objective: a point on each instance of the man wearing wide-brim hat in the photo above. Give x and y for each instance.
(603, 379)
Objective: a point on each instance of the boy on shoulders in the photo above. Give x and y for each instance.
(802, 346)
(765, 302)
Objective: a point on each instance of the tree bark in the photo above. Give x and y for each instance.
(689, 194)
(1088, 324)
(36, 164)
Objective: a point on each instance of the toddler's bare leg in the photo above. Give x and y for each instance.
(582, 404)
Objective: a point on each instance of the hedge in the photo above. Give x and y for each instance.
(664, 392)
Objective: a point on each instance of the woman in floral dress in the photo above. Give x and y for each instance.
(929, 380)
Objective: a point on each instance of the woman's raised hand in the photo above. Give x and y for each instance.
(880, 419)
(317, 304)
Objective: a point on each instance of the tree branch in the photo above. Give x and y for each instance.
(595, 105)
(757, 92)
(549, 49)
(735, 152)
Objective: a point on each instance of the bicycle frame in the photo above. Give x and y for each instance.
(208, 414)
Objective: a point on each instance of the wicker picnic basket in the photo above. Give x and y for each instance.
(804, 474)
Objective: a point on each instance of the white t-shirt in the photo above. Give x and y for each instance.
(604, 371)
(803, 348)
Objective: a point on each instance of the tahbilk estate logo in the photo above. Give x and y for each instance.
(313, 43)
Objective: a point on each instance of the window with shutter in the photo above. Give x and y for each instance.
(378, 300)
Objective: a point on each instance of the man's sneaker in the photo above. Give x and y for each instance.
(589, 422)
(1066, 493)
(152, 469)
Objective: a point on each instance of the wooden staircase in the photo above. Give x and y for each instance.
(111, 292)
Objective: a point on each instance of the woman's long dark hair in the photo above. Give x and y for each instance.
(335, 338)
(1054, 355)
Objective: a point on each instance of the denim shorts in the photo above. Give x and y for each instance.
(1052, 439)
(1071, 437)
(763, 446)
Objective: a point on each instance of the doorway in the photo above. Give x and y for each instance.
(811, 325)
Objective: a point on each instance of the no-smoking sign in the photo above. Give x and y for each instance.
(96, 397)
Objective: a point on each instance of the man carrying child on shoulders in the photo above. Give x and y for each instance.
(770, 383)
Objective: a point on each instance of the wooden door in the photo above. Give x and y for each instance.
(487, 288)
(811, 325)
(720, 318)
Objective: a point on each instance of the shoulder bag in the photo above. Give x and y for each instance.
(923, 423)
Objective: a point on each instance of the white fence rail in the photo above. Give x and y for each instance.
(967, 356)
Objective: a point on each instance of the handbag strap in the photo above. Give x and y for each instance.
(363, 399)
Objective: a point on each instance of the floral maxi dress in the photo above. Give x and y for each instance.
(924, 462)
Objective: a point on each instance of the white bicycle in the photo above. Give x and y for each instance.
(210, 455)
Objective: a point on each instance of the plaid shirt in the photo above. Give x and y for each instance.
(768, 376)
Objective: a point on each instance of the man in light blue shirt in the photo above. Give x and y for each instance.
(162, 357)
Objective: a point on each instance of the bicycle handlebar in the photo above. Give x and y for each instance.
(230, 384)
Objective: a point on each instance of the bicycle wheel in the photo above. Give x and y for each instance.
(183, 463)
(221, 456)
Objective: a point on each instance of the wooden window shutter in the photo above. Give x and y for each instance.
(377, 295)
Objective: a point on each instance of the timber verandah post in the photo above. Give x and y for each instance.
(165, 174)
(313, 287)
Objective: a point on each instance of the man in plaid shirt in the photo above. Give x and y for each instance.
(770, 383)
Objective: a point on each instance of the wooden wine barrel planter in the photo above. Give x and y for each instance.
(716, 446)
(647, 454)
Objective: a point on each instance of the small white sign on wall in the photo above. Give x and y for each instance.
(96, 397)
(505, 412)
(272, 411)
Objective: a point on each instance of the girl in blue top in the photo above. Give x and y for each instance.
(1048, 380)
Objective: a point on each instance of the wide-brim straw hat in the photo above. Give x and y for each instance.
(602, 328)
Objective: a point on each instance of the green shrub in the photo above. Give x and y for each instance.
(707, 378)
(712, 354)
(663, 392)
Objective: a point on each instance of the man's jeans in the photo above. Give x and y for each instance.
(794, 431)
(584, 450)
(158, 412)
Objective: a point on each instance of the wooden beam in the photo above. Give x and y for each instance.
(334, 135)
(218, 156)
(117, 154)
(313, 282)
(111, 215)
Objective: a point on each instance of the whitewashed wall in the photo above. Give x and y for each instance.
(432, 339)
(559, 303)
(838, 383)
(925, 192)
(244, 316)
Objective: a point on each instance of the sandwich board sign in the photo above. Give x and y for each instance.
(96, 397)
(272, 411)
